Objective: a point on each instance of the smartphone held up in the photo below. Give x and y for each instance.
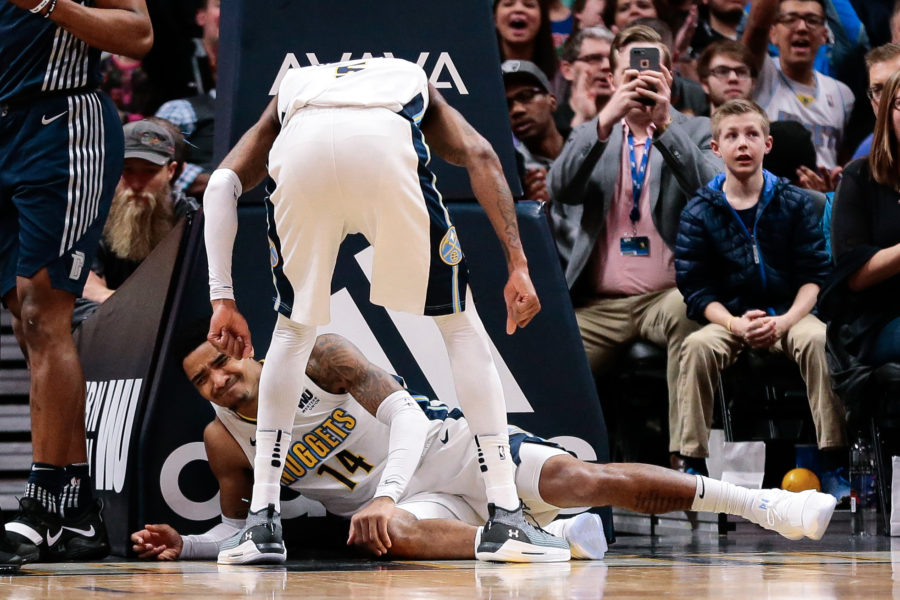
(645, 58)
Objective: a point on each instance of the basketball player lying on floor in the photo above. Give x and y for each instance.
(347, 443)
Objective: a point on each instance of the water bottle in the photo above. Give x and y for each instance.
(863, 509)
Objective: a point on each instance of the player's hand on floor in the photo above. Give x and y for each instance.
(157, 541)
(522, 302)
(369, 526)
(228, 330)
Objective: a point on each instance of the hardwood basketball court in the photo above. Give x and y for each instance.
(745, 564)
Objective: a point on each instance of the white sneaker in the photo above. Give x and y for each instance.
(793, 515)
(585, 535)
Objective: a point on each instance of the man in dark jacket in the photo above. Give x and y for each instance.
(749, 261)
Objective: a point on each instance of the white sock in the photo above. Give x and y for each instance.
(717, 496)
(584, 532)
(478, 538)
(480, 395)
(280, 385)
(271, 447)
(497, 469)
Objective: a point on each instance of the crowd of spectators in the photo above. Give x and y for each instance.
(654, 243)
(617, 155)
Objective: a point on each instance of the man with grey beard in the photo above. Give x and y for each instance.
(144, 209)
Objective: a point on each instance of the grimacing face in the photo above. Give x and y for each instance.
(223, 380)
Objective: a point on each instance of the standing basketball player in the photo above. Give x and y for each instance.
(346, 149)
(61, 153)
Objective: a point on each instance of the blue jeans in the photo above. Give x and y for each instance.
(886, 347)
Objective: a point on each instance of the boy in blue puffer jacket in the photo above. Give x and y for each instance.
(749, 260)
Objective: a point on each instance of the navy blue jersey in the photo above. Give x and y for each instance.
(37, 57)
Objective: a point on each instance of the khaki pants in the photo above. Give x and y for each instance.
(659, 317)
(713, 348)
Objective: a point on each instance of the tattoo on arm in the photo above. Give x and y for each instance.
(338, 367)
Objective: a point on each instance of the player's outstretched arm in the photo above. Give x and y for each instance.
(456, 141)
(231, 468)
(243, 168)
(116, 26)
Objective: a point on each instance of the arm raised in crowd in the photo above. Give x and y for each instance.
(756, 32)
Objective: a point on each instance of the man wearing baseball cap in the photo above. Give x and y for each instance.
(531, 107)
(144, 209)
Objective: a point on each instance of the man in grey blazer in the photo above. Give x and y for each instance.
(618, 189)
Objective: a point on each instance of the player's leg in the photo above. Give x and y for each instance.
(57, 402)
(10, 560)
(480, 393)
(62, 195)
(304, 236)
(419, 267)
(567, 482)
(444, 538)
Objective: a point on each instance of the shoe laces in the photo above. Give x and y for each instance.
(529, 518)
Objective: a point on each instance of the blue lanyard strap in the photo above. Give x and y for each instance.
(637, 176)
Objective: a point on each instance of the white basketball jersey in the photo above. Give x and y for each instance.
(389, 83)
(824, 109)
(338, 449)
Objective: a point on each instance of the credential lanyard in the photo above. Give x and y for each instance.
(637, 177)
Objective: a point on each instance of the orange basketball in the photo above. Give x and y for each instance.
(797, 480)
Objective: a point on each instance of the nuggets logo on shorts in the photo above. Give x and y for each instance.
(450, 250)
(273, 254)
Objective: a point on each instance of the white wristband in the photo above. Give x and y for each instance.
(39, 7)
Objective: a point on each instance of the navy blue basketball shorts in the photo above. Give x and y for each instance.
(60, 161)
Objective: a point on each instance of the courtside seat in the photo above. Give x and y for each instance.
(635, 401)
(763, 397)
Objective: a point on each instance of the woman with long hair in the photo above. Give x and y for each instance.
(860, 300)
(524, 33)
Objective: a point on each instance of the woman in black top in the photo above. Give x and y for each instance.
(861, 302)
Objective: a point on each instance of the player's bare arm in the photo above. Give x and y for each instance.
(116, 26)
(231, 469)
(338, 367)
(248, 157)
(456, 141)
